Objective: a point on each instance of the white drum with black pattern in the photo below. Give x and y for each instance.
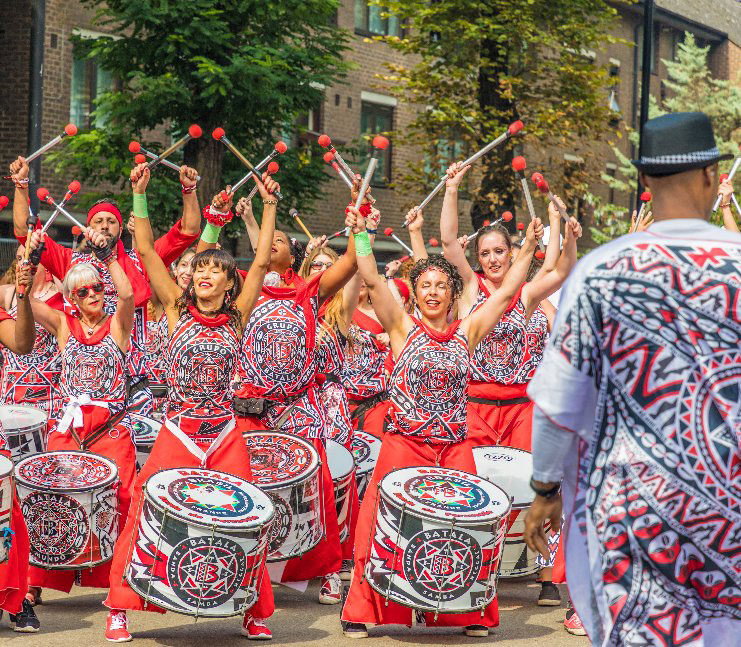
(25, 429)
(145, 433)
(200, 543)
(437, 540)
(366, 448)
(7, 489)
(342, 468)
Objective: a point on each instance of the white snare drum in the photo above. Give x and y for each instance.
(69, 501)
(200, 543)
(511, 469)
(7, 490)
(287, 467)
(25, 429)
(437, 540)
(365, 448)
(342, 469)
(145, 433)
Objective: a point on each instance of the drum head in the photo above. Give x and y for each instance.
(279, 460)
(340, 460)
(145, 429)
(365, 448)
(6, 468)
(440, 492)
(18, 417)
(509, 468)
(65, 471)
(209, 498)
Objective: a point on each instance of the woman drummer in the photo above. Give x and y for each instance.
(94, 347)
(205, 322)
(418, 432)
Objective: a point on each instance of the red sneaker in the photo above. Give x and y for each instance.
(116, 627)
(255, 628)
(572, 623)
(331, 589)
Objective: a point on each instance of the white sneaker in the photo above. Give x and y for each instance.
(116, 627)
(331, 590)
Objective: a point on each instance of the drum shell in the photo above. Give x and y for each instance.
(28, 437)
(342, 480)
(145, 432)
(7, 489)
(366, 448)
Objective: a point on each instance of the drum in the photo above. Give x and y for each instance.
(145, 433)
(342, 468)
(511, 469)
(68, 499)
(159, 400)
(437, 540)
(25, 428)
(365, 448)
(7, 490)
(287, 467)
(200, 544)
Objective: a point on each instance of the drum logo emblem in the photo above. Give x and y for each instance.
(447, 493)
(442, 564)
(360, 449)
(210, 496)
(58, 527)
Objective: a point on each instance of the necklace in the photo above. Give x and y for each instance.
(91, 328)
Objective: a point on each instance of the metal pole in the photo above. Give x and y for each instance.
(648, 56)
(36, 86)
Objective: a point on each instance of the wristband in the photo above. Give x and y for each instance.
(371, 232)
(546, 494)
(140, 205)
(188, 189)
(362, 244)
(210, 233)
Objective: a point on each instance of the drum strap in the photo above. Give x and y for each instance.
(101, 431)
(499, 403)
(366, 405)
(193, 447)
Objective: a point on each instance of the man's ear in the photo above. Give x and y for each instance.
(710, 175)
(645, 180)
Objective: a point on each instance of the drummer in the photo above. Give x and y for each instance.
(205, 321)
(17, 335)
(416, 434)
(94, 347)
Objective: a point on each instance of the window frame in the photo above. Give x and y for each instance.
(365, 29)
(387, 158)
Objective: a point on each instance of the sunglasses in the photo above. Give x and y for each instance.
(319, 265)
(83, 291)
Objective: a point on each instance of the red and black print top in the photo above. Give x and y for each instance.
(330, 349)
(363, 373)
(156, 349)
(427, 389)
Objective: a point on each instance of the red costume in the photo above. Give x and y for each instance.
(427, 427)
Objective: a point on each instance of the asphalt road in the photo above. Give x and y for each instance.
(77, 620)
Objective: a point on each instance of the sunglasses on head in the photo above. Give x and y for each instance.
(321, 265)
(83, 291)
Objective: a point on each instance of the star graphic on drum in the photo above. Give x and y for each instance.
(444, 492)
(442, 569)
(212, 497)
(207, 574)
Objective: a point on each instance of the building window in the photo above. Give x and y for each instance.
(614, 97)
(89, 82)
(375, 20)
(375, 119)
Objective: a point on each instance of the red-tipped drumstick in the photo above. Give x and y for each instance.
(194, 132)
(518, 166)
(278, 149)
(390, 232)
(329, 159)
(645, 199)
(72, 189)
(734, 168)
(136, 147)
(544, 188)
(723, 178)
(294, 214)
(434, 242)
(219, 135)
(506, 217)
(511, 131)
(520, 226)
(273, 168)
(336, 234)
(43, 196)
(325, 142)
(380, 143)
(70, 130)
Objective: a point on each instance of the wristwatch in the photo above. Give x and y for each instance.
(546, 494)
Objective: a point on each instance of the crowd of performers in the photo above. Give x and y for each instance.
(308, 342)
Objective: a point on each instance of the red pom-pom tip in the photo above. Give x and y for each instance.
(434, 242)
(380, 142)
(134, 147)
(646, 196)
(70, 130)
(74, 186)
(218, 133)
(543, 186)
(507, 216)
(724, 177)
(515, 127)
(519, 164)
(539, 255)
(224, 196)
(42, 193)
(388, 231)
(281, 147)
(328, 157)
(520, 226)
(76, 231)
(195, 131)
(487, 223)
(4, 201)
(536, 178)
(273, 168)
(140, 159)
(324, 141)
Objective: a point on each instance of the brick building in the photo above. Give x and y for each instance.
(361, 104)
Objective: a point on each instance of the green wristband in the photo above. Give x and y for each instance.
(140, 205)
(362, 244)
(210, 233)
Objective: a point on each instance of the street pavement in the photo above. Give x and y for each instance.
(77, 620)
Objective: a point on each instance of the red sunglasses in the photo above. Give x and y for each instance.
(83, 291)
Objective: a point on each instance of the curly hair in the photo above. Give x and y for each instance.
(438, 262)
(225, 261)
(297, 251)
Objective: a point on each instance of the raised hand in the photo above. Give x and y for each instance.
(24, 274)
(456, 172)
(463, 242)
(415, 219)
(392, 267)
(244, 208)
(188, 177)
(222, 201)
(553, 213)
(354, 219)
(19, 171)
(267, 187)
(139, 177)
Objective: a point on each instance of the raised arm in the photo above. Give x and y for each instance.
(19, 174)
(452, 250)
(164, 286)
(725, 192)
(553, 248)
(123, 319)
(416, 219)
(18, 336)
(481, 322)
(244, 211)
(190, 223)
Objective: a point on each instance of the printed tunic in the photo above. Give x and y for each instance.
(363, 372)
(330, 361)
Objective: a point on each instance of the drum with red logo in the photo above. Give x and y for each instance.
(69, 501)
(145, 433)
(437, 540)
(201, 541)
(25, 429)
(510, 469)
(342, 469)
(6, 504)
(287, 468)
(365, 448)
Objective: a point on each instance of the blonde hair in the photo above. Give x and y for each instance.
(77, 275)
(334, 305)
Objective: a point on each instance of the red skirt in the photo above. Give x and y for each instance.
(117, 445)
(363, 604)
(168, 452)
(349, 543)
(14, 572)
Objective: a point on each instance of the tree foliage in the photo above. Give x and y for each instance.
(477, 65)
(248, 66)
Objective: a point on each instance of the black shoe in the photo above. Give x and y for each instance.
(354, 630)
(477, 631)
(26, 621)
(549, 596)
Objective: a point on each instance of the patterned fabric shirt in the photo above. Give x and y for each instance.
(363, 373)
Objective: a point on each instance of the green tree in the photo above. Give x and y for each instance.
(691, 87)
(477, 65)
(248, 66)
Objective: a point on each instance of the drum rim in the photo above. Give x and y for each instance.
(10, 472)
(463, 523)
(31, 486)
(516, 505)
(132, 419)
(369, 466)
(42, 422)
(296, 479)
(344, 475)
(203, 524)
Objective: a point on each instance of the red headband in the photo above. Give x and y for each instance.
(403, 289)
(105, 206)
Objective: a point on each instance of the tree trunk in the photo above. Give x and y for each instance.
(205, 155)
